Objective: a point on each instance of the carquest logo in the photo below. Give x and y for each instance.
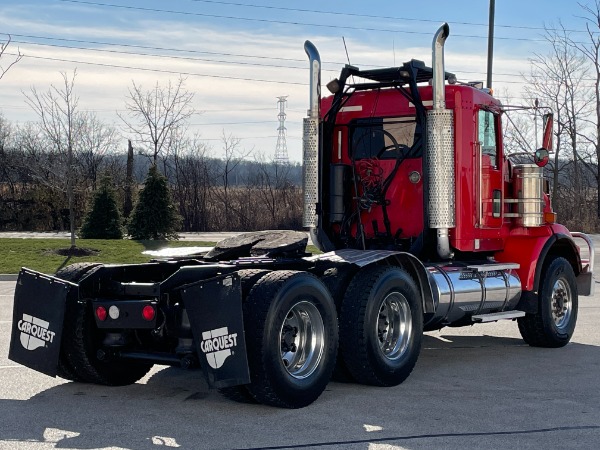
(34, 332)
(217, 345)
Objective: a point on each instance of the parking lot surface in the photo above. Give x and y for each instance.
(477, 387)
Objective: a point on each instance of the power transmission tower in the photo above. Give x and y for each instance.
(281, 153)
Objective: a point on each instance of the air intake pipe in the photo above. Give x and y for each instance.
(440, 152)
(310, 141)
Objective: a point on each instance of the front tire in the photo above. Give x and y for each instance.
(291, 335)
(381, 326)
(554, 323)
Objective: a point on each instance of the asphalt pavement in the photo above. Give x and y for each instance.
(476, 387)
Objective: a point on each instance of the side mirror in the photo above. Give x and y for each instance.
(547, 139)
(541, 157)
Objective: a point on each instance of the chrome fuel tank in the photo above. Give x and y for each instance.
(461, 291)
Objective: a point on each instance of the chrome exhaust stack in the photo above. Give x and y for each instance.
(440, 152)
(310, 141)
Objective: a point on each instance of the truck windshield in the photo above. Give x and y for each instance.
(377, 138)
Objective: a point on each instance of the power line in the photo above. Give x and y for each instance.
(225, 77)
(81, 41)
(146, 47)
(221, 61)
(214, 53)
(176, 72)
(370, 16)
(185, 58)
(282, 22)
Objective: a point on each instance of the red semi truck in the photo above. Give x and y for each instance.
(423, 220)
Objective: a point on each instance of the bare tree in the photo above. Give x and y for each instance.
(591, 51)
(234, 154)
(16, 59)
(194, 179)
(96, 140)
(44, 172)
(275, 192)
(156, 115)
(557, 79)
(57, 111)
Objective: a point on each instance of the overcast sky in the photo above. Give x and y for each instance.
(240, 55)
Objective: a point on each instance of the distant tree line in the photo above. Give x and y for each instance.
(208, 194)
(49, 169)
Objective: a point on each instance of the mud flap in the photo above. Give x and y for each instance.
(214, 308)
(38, 313)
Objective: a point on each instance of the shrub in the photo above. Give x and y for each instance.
(103, 220)
(154, 215)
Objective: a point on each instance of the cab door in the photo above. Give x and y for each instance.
(490, 173)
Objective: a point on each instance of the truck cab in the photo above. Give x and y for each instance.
(410, 160)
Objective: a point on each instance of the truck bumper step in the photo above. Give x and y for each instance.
(493, 317)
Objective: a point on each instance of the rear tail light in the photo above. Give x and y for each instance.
(101, 313)
(148, 313)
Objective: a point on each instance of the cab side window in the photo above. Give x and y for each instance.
(486, 123)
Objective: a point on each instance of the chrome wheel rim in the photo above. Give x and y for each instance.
(302, 340)
(394, 326)
(561, 304)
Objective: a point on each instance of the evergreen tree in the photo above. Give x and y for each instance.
(103, 221)
(154, 215)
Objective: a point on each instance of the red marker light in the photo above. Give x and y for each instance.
(148, 313)
(101, 313)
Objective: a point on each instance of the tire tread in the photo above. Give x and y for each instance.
(256, 311)
(76, 362)
(353, 341)
(533, 327)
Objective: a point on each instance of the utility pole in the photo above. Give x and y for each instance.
(490, 57)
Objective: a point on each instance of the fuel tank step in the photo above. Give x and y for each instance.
(493, 317)
(493, 267)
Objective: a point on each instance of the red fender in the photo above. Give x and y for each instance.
(529, 246)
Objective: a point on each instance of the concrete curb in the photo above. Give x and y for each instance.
(8, 277)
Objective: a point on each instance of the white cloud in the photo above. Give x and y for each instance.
(224, 100)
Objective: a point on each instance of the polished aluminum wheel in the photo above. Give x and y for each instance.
(562, 305)
(394, 325)
(302, 340)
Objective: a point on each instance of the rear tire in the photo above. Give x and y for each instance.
(554, 323)
(291, 334)
(81, 342)
(72, 273)
(381, 326)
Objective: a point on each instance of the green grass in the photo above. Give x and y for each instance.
(37, 254)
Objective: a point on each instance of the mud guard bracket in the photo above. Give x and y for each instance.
(214, 308)
(38, 314)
